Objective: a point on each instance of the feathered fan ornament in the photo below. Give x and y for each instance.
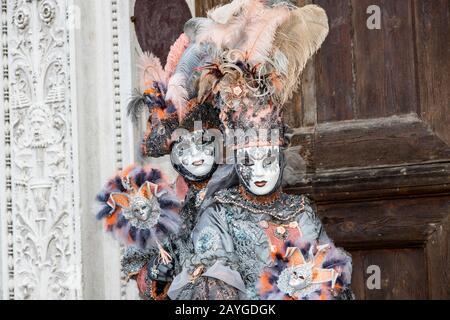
(141, 209)
(306, 272)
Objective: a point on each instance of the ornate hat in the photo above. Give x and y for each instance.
(153, 81)
(244, 59)
(158, 93)
(257, 50)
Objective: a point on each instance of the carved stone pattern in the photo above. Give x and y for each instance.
(7, 144)
(45, 263)
(117, 111)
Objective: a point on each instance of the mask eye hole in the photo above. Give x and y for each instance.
(181, 148)
(208, 139)
(247, 161)
(269, 161)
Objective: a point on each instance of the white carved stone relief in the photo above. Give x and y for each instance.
(44, 212)
(45, 259)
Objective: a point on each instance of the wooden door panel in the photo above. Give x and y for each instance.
(385, 223)
(384, 60)
(433, 58)
(335, 91)
(403, 274)
(378, 142)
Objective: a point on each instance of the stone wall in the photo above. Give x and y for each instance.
(67, 72)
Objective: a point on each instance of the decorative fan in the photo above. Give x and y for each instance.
(306, 272)
(141, 209)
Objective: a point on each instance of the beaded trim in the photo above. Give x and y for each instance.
(286, 208)
(267, 200)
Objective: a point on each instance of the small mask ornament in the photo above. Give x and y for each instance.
(302, 277)
(259, 169)
(140, 209)
(140, 206)
(194, 155)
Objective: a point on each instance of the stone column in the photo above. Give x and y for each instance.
(39, 211)
(68, 69)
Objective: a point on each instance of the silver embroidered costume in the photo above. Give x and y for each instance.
(231, 244)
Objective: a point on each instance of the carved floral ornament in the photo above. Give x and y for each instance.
(43, 251)
(22, 18)
(47, 13)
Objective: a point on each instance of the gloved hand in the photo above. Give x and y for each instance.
(158, 271)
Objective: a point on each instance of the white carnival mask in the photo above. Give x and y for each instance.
(259, 169)
(194, 153)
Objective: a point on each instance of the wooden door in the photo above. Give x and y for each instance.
(373, 122)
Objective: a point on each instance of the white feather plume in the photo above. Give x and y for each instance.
(298, 39)
(261, 32)
(227, 30)
(177, 93)
(223, 14)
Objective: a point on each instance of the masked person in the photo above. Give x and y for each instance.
(246, 239)
(254, 241)
(190, 134)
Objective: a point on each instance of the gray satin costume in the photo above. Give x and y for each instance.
(233, 247)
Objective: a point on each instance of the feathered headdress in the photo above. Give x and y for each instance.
(245, 58)
(151, 94)
(274, 39)
(170, 94)
(140, 208)
(260, 48)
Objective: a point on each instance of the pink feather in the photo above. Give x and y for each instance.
(238, 20)
(175, 54)
(177, 93)
(261, 33)
(181, 188)
(150, 70)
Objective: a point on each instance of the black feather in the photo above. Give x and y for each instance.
(102, 197)
(132, 233)
(154, 176)
(122, 222)
(140, 178)
(163, 229)
(118, 182)
(104, 212)
(144, 235)
(166, 204)
(136, 105)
